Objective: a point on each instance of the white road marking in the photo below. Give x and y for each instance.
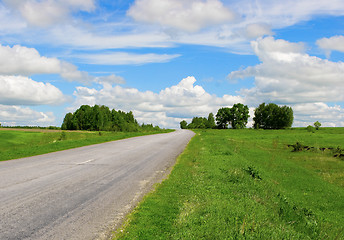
(85, 162)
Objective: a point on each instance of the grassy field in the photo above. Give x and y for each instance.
(248, 184)
(23, 143)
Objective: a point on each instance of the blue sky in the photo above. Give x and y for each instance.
(169, 60)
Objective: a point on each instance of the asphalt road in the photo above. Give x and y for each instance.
(82, 193)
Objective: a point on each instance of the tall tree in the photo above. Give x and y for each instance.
(223, 118)
(68, 122)
(210, 121)
(83, 118)
(239, 115)
(183, 124)
(271, 116)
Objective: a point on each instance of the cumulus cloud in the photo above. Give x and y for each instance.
(335, 43)
(190, 16)
(287, 75)
(308, 113)
(166, 108)
(19, 60)
(20, 116)
(18, 90)
(25, 61)
(48, 12)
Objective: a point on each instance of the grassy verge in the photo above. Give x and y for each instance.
(247, 184)
(18, 144)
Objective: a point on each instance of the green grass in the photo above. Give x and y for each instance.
(247, 184)
(18, 144)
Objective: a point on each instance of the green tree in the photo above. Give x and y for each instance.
(183, 124)
(198, 122)
(223, 118)
(83, 118)
(106, 117)
(271, 116)
(310, 128)
(317, 125)
(68, 122)
(96, 118)
(238, 115)
(210, 121)
(100, 118)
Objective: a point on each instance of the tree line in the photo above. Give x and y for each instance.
(101, 118)
(199, 122)
(266, 116)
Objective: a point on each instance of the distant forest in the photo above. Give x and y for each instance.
(101, 118)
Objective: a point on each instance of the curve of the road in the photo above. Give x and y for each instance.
(82, 193)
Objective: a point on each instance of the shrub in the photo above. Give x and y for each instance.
(63, 136)
(310, 129)
(298, 147)
(253, 172)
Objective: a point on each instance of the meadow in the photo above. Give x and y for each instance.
(29, 142)
(248, 184)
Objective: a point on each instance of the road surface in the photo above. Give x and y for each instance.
(82, 193)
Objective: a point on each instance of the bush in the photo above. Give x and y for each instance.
(298, 147)
(310, 129)
(253, 172)
(63, 136)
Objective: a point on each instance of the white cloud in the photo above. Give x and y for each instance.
(25, 61)
(166, 108)
(255, 30)
(287, 75)
(8, 22)
(19, 116)
(335, 43)
(212, 17)
(48, 12)
(102, 37)
(111, 79)
(190, 16)
(123, 58)
(280, 14)
(308, 113)
(19, 60)
(18, 90)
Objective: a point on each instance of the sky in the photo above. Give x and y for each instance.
(170, 60)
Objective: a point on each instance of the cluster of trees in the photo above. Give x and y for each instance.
(101, 118)
(266, 116)
(199, 122)
(272, 116)
(235, 116)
